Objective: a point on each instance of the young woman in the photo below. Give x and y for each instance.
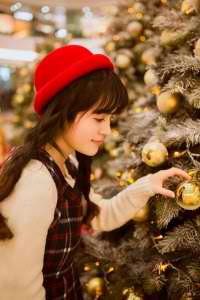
(44, 198)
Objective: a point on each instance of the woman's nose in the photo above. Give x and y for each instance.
(105, 128)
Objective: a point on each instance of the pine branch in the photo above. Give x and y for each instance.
(153, 283)
(178, 65)
(178, 133)
(181, 85)
(169, 19)
(139, 126)
(166, 210)
(194, 98)
(186, 236)
(181, 283)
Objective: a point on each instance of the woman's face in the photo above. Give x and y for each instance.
(88, 132)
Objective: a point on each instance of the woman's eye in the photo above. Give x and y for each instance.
(99, 120)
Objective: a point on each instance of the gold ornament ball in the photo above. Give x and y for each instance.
(188, 7)
(154, 154)
(172, 38)
(142, 215)
(186, 296)
(168, 102)
(95, 286)
(148, 57)
(150, 78)
(26, 88)
(139, 8)
(129, 294)
(110, 47)
(188, 195)
(28, 124)
(23, 72)
(134, 28)
(18, 98)
(123, 61)
(197, 49)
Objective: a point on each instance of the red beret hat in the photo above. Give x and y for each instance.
(62, 66)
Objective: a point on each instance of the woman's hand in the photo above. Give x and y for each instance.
(157, 180)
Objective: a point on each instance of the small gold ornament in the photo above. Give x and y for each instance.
(122, 61)
(188, 7)
(186, 296)
(139, 8)
(114, 152)
(26, 88)
(129, 294)
(142, 215)
(155, 90)
(95, 286)
(18, 99)
(188, 195)
(168, 102)
(149, 56)
(154, 154)
(150, 78)
(28, 124)
(178, 154)
(110, 46)
(23, 72)
(197, 49)
(172, 38)
(134, 28)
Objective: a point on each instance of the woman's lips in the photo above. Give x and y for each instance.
(98, 142)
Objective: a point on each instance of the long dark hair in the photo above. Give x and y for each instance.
(101, 89)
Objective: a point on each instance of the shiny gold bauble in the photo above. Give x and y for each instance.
(195, 174)
(197, 49)
(26, 88)
(154, 154)
(122, 61)
(150, 78)
(188, 195)
(18, 98)
(149, 56)
(28, 124)
(23, 72)
(142, 215)
(172, 38)
(187, 7)
(134, 28)
(95, 286)
(168, 102)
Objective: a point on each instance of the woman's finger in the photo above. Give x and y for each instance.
(177, 172)
(166, 193)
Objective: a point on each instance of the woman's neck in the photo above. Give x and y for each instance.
(59, 152)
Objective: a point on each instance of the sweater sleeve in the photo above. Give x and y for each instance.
(29, 210)
(118, 210)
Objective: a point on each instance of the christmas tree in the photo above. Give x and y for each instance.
(156, 255)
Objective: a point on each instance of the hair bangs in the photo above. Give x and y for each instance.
(114, 97)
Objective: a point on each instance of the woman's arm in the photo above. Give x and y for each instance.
(29, 210)
(121, 208)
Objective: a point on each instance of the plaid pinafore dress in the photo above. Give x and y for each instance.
(61, 280)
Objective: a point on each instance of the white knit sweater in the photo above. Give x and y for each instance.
(29, 210)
